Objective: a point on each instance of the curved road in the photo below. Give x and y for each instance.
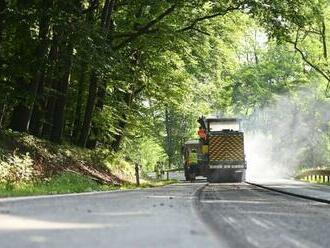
(180, 215)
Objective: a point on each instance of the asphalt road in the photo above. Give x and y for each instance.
(242, 215)
(181, 215)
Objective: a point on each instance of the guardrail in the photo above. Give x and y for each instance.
(319, 175)
(170, 170)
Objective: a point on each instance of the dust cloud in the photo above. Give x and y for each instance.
(291, 132)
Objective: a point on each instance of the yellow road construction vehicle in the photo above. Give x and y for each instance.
(219, 151)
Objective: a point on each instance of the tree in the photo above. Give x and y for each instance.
(94, 73)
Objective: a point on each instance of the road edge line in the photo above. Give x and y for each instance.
(311, 198)
(41, 197)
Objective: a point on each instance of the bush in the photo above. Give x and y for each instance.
(69, 182)
(15, 169)
(121, 168)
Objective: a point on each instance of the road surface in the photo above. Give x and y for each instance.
(180, 215)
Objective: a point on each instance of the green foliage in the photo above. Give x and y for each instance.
(278, 71)
(146, 151)
(16, 169)
(304, 25)
(121, 168)
(68, 182)
(138, 78)
(152, 153)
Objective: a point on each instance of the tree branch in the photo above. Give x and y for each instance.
(119, 35)
(324, 40)
(146, 28)
(201, 31)
(311, 64)
(200, 19)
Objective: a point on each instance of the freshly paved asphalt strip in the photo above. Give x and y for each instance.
(298, 188)
(180, 215)
(248, 216)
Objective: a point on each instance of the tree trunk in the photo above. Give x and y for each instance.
(50, 108)
(51, 84)
(89, 110)
(2, 112)
(3, 6)
(20, 118)
(62, 88)
(168, 137)
(41, 54)
(255, 46)
(115, 145)
(122, 123)
(21, 112)
(79, 103)
(36, 122)
(106, 22)
(324, 40)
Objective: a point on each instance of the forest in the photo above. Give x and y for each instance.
(129, 78)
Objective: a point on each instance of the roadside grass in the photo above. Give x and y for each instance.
(69, 182)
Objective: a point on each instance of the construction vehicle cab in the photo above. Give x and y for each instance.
(222, 124)
(190, 153)
(220, 151)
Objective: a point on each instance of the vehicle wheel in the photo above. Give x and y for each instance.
(192, 177)
(212, 179)
(186, 174)
(215, 176)
(239, 177)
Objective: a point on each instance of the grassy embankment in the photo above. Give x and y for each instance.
(71, 183)
(30, 166)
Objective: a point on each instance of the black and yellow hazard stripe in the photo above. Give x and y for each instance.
(226, 147)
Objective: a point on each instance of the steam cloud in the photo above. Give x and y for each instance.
(290, 133)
